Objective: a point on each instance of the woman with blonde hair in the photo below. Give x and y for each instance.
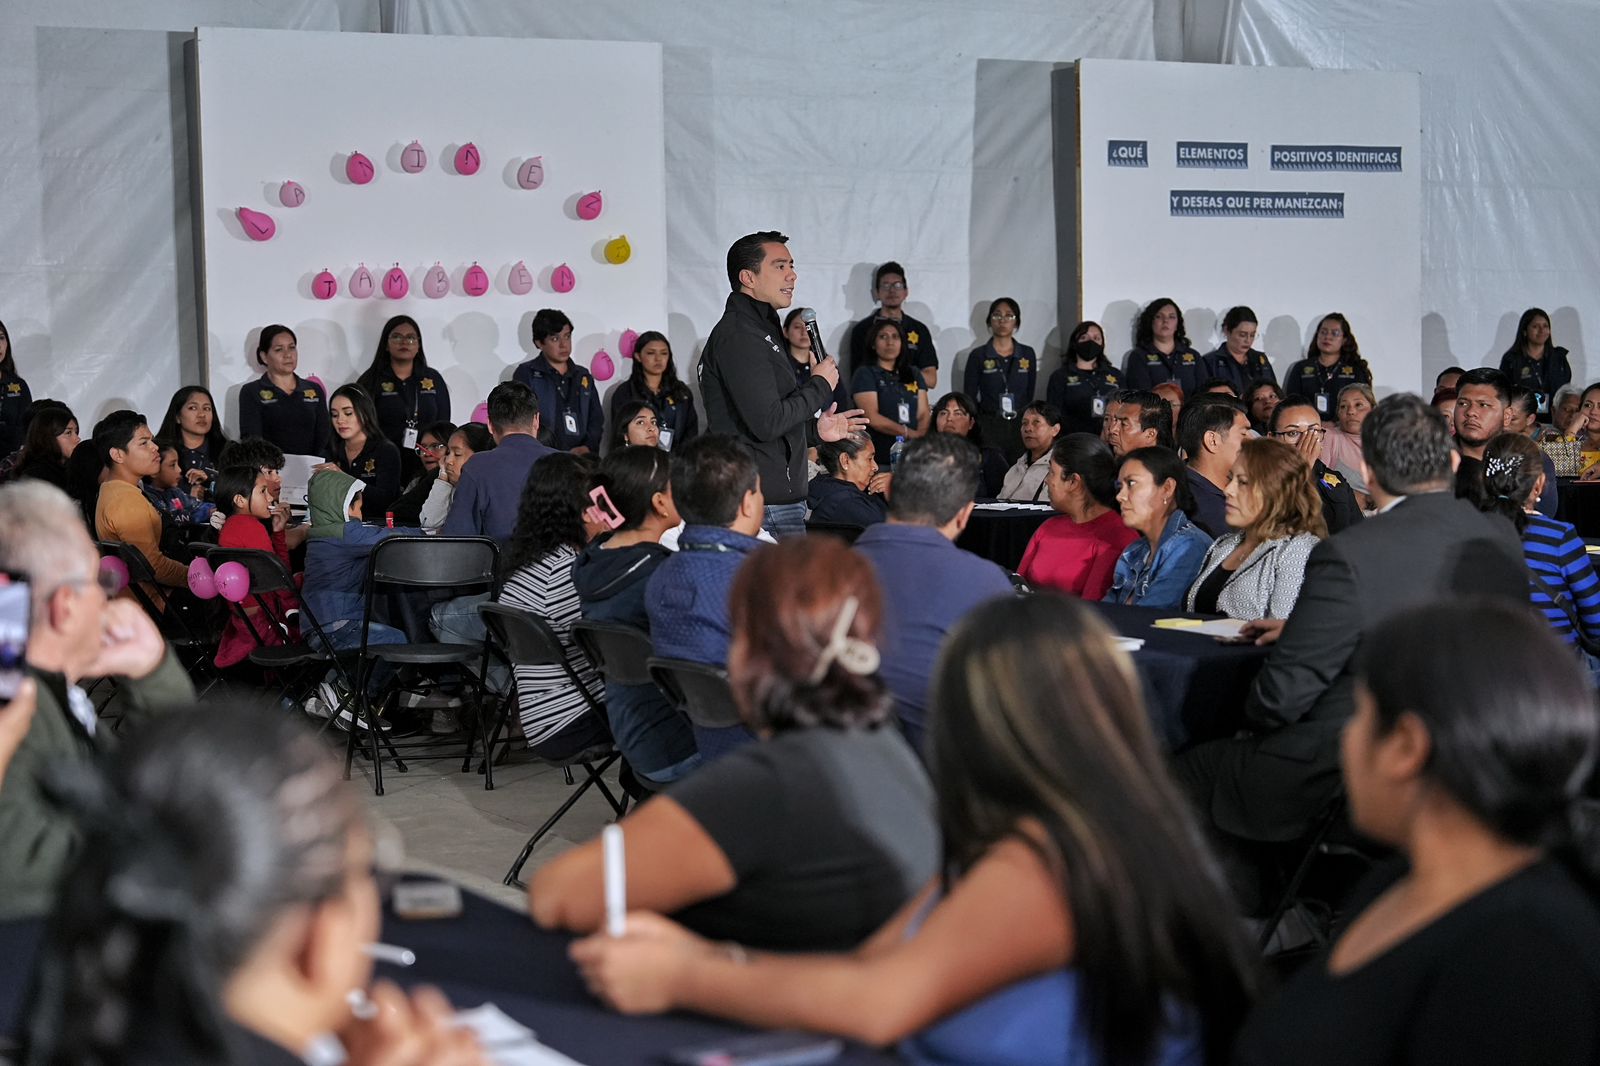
(1275, 516)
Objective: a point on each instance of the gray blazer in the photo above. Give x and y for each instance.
(1266, 584)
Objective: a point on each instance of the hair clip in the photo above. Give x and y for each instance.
(854, 654)
(1502, 464)
(603, 512)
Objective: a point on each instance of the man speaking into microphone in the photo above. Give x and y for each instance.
(748, 385)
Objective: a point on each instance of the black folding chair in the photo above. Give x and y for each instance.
(1331, 835)
(461, 564)
(525, 639)
(701, 693)
(622, 655)
(844, 532)
(184, 629)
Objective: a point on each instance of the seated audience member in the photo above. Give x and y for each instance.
(1137, 419)
(254, 519)
(1001, 375)
(958, 416)
(1076, 552)
(1444, 401)
(889, 289)
(1070, 870)
(1162, 352)
(1564, 407)
(360, 449)
(654, 382)
(86, 470)
(556, 719)
(121, 511)
(611, 576)
(1481, 399)
(1210, 432)
(1584, 428)
(1261, 399)
(928, 583)
(1522, 417)
(1560, 576)
(634, 424)
(12, 460)
(891, 390)
(76, 632)
(1041, 425)
(192, 423)
(810, 839)
(564, 392)
(850, 491)
(1169, 391)
(1236, 360)
(1469, 744)
(220, 908)
(467, 441)
(1447, 378)
(280, 405)
(268, 459)
(1341, 443)
(1085, 380)
(488, 489)
(168, 493)
(431, 445)
(1296, 423)
(1275, 517)
(1218, 387)
(51, 440)
(1271, 784)
(1157, 568)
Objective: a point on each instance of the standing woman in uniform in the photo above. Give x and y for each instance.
(890, 390)
(404, 392)
(280, 406)
(1162, 352)
(655, 383)
(361, 450)
(1002, 375)
(1081, 386)
(569, 402)
(192, 424)
(1535, 361)
(1236, 360)
(1332, 361)
(15, 398)
(803, 358)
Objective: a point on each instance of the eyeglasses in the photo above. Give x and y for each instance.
(430, 449)
(1294, 433)
(404, 338)
(1002, 318)
(893, 286)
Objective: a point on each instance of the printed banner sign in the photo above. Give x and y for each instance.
(1128, 153)
(1345, 157)
(1239, 203)
(1214, 155)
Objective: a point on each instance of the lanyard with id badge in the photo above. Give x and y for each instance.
(410, 436)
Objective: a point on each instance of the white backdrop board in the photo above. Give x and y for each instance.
(277, 106)
(1295, 192)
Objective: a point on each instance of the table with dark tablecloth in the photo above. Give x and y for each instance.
(1579, 504)
(1002, 536)
(1195, 685)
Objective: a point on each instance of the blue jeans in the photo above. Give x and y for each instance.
(345, 635)
(785, 519)
(457, 621)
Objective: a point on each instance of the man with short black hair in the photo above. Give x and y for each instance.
(747, 379)
(489, 489)
(1482, 396)
(1296, 422)
(1211, 431)
(1136, 418)
(122, 513)
(1424, 544)
(890, 290)
(928, 583)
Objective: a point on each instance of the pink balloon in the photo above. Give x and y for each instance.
(413, 158)
(476, 282)
(467, 159)
(520, 280)
(602, 366)
(531, 174)
(396, 284)
(361, 283)
(589, 205)
(562, 279)
(626, 343)
(359, 169)
(112, 565)
(480, 413)
(290, 194)
(318, 381)
(202, 582)
(232, 582)
(258, 226)
(436, 283)
(325, 286)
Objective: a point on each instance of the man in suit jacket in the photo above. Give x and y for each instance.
(1423, 544)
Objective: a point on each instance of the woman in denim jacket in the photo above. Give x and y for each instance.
(1157, 569)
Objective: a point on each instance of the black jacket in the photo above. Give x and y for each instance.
(747, 382)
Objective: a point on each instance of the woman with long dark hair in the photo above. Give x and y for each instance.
(891, 390)
(52, 438)
(1157, 569)
(1473, 739)
(654, 382)
(633, 424)
(1077, 551)
(1162, 352)
(957, 413)
(193, 423)
(1536, 361)
(1077, 920)
(1084, 382)
(280, 405)
(361, 450)
(406, 393)
(1333, 361)
(15, 398)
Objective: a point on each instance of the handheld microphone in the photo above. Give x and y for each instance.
(809, 317)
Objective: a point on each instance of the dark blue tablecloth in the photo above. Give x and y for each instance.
(1579, 503)
(1002, 536)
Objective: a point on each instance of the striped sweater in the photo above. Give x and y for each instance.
(1554, 551)
(547, 701)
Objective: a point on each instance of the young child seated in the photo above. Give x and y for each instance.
(253, 520)
(168, 492)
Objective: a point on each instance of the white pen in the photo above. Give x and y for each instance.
(616, 880)
(394, 956)
(361, 1007)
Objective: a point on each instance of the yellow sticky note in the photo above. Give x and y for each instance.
(1177, 623)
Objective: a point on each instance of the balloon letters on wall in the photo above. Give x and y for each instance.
(258, 226)
(436, 283)
(325, 286)
(531, 174)
(361, 283)
(467, 159)
(290, 194)
(602, 366)
(618, 250)
(589, 206)
(395, 283)
(520, 281)
(413, 158)
(627, 342)
(562, 279)
(476, 282)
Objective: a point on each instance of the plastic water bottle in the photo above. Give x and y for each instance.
(895, 452)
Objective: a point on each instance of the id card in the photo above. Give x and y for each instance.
(409, 440)
(1322, 403)
(570, 420)
(904, 410)
(1008, 405)
(1098, 406)
(665, 441)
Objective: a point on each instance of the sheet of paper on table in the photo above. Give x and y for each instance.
(1592, 549)
(1220, 628)
(1008, 505)
(506, 1041)
(1128, 643)
(296, 477)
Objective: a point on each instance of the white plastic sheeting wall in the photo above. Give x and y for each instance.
(1510, 147)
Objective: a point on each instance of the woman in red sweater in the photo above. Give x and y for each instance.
(254, 520)
(1076, 552)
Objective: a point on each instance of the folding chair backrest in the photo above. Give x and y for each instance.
(846, 533)
(434, 562)
(267, 572)
(140, 574)
(701, 692)
(528, 640)
(620, 652)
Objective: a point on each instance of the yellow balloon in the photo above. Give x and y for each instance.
(618, 250)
